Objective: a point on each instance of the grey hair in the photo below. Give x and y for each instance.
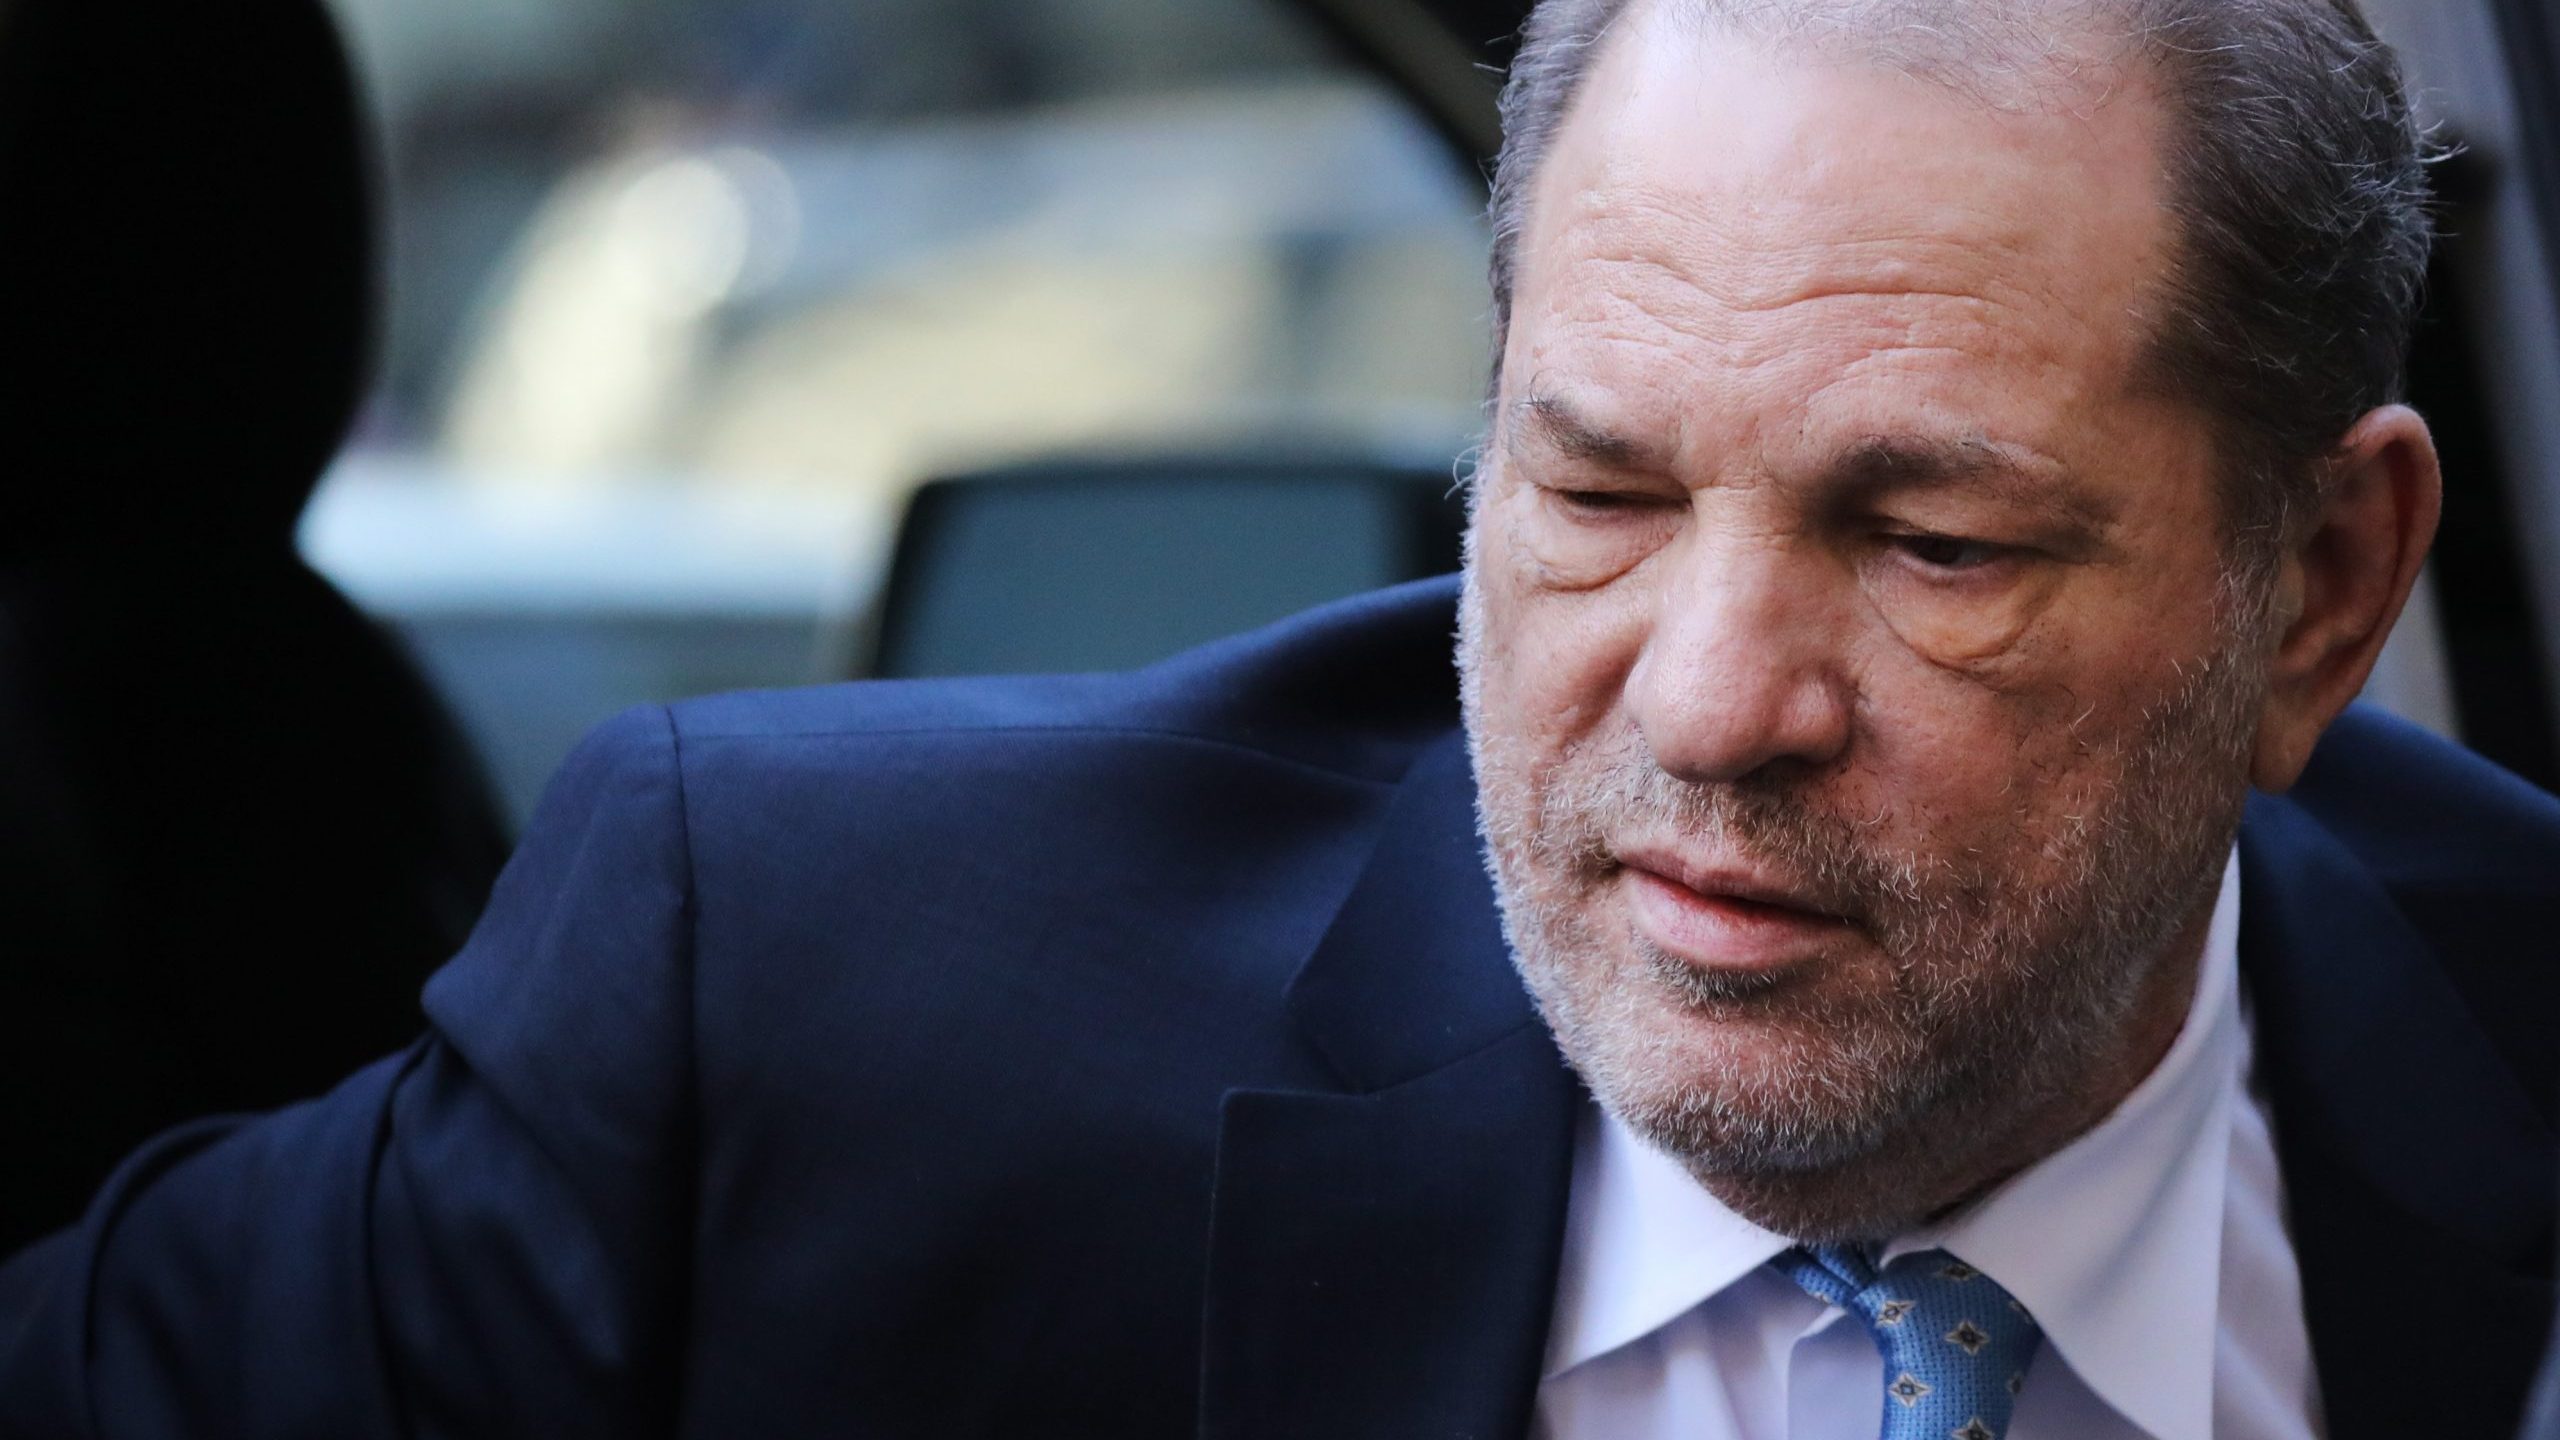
(2297, 178)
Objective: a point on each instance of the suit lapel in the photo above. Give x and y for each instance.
(1382, 1260)
(2417, 1171)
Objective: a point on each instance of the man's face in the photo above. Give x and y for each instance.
(1859, 707)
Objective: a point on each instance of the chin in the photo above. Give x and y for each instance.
(1799, 1142)
(1847, 1205)
(1739, 1092)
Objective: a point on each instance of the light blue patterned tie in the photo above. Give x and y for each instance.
(1955, 1345)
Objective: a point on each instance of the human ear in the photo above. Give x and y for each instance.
(2344, 582)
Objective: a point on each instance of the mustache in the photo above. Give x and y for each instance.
(1602, 800)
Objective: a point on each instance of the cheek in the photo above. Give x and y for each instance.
(1998, 780)
(1553, 662)
(1984, 632)
(2014, 713)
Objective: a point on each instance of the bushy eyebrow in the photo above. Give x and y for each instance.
(1574, 435)
(1883, 464)
(1864, 472)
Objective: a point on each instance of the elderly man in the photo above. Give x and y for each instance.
(1944, 458)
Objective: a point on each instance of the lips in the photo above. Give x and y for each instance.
(1726, 918)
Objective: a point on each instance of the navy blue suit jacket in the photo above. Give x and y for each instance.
(1138, 1056)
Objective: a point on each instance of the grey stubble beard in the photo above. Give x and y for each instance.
(2006, 998)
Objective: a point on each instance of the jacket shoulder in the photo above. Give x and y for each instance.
(1137, 861)
(2427, 816)
(2470, 856)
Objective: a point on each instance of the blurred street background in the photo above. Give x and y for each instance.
(686, 296)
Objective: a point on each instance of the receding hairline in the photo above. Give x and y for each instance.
(2072, 79)
(2002, 54)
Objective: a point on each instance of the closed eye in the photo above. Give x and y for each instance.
(1605, 502)
(1952, 554)
(1949, 554)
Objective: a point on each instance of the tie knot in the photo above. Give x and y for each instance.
(1955, 1345)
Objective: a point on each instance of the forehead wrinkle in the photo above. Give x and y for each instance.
(1688, 264)
(1881, 304)
(1640, 304)
(1758, 251)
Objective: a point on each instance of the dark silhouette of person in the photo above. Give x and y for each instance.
(236, 829)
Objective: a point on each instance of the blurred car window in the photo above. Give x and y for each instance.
(994, 572)
(689, 294)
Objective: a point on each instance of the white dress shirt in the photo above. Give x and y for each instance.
(2152, 1250)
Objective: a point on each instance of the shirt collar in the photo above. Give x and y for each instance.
(1644, 1244)
(2113, 1243)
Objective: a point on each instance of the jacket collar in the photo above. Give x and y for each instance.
(1414, 972)
(2372, 1056)
(1382, 1260)
(2417, 1170)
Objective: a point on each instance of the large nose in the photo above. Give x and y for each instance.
(1740, 670)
